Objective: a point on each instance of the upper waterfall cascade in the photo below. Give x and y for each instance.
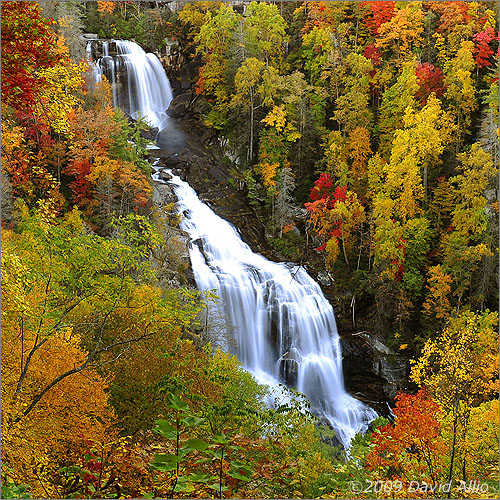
(283, 327)
(139, 84)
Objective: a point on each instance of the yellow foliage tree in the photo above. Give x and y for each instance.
(72, 412)
(460, 90)
(460, 371)
(437, 302)
(359, 152)
(404, 31)
(57, 99)
(105, 7)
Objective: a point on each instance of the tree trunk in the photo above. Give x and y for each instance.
(453, 447)
(425, 182)
(250, 149)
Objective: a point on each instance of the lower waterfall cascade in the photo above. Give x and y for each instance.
(283, 327)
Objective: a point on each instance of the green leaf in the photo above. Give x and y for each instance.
(240, 471)
(164, 462)
(176, 403)
(196, 444)
(182, 485)
(72, 469)
(192, 421)
(238, 475)
(10, 490)
(200, 478)
(216, 487)
(220, 438)
(165, 429)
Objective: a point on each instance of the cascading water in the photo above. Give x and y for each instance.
(138, 81)
(284, 327)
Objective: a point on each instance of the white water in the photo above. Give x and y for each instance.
(282, 327)
(148, 92)
(282, 323)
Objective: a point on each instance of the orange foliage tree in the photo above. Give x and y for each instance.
(412, 447)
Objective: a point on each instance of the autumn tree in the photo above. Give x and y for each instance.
(489, 121)
(483, 50)
(402, 33)
(274, 163)
(395, 101)
(284, 200)
(193, 14)
(429, 132)
(69, 25)
(213, 42)
(28, 46)
(359, 153)
(401, 235)
(336, 158)
(246, 81)
(468, 243)
(335, 216)
(265, 32)
(460, 371)
(413, 445)
(430, 81)
(481, 446)
(50, 407)
(380, 13)
(352, 106)
(316, 47)
(460, 91)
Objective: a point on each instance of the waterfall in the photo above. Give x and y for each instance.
(278, 322)
(138, 81)
(284, 328)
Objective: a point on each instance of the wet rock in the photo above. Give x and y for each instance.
(179, 105)
(324, 278)
(289, 368)
(200, 106)
(372, 371)
(165, 176)
(150, 133)
(191, 70)
(171, 139)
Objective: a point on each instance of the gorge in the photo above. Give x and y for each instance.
(279, 324)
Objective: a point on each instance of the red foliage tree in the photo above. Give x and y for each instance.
(374, 54)
(381, 12)
(28, 45)
(325, 197)
(323, 187)
(483, 50)
(451, 14)
(413, 445)
(430, 80)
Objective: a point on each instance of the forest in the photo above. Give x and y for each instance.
(361, 137)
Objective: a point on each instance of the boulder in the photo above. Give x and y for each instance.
(200, 105)
(150, 133)
(165, 176)
(179, 105)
